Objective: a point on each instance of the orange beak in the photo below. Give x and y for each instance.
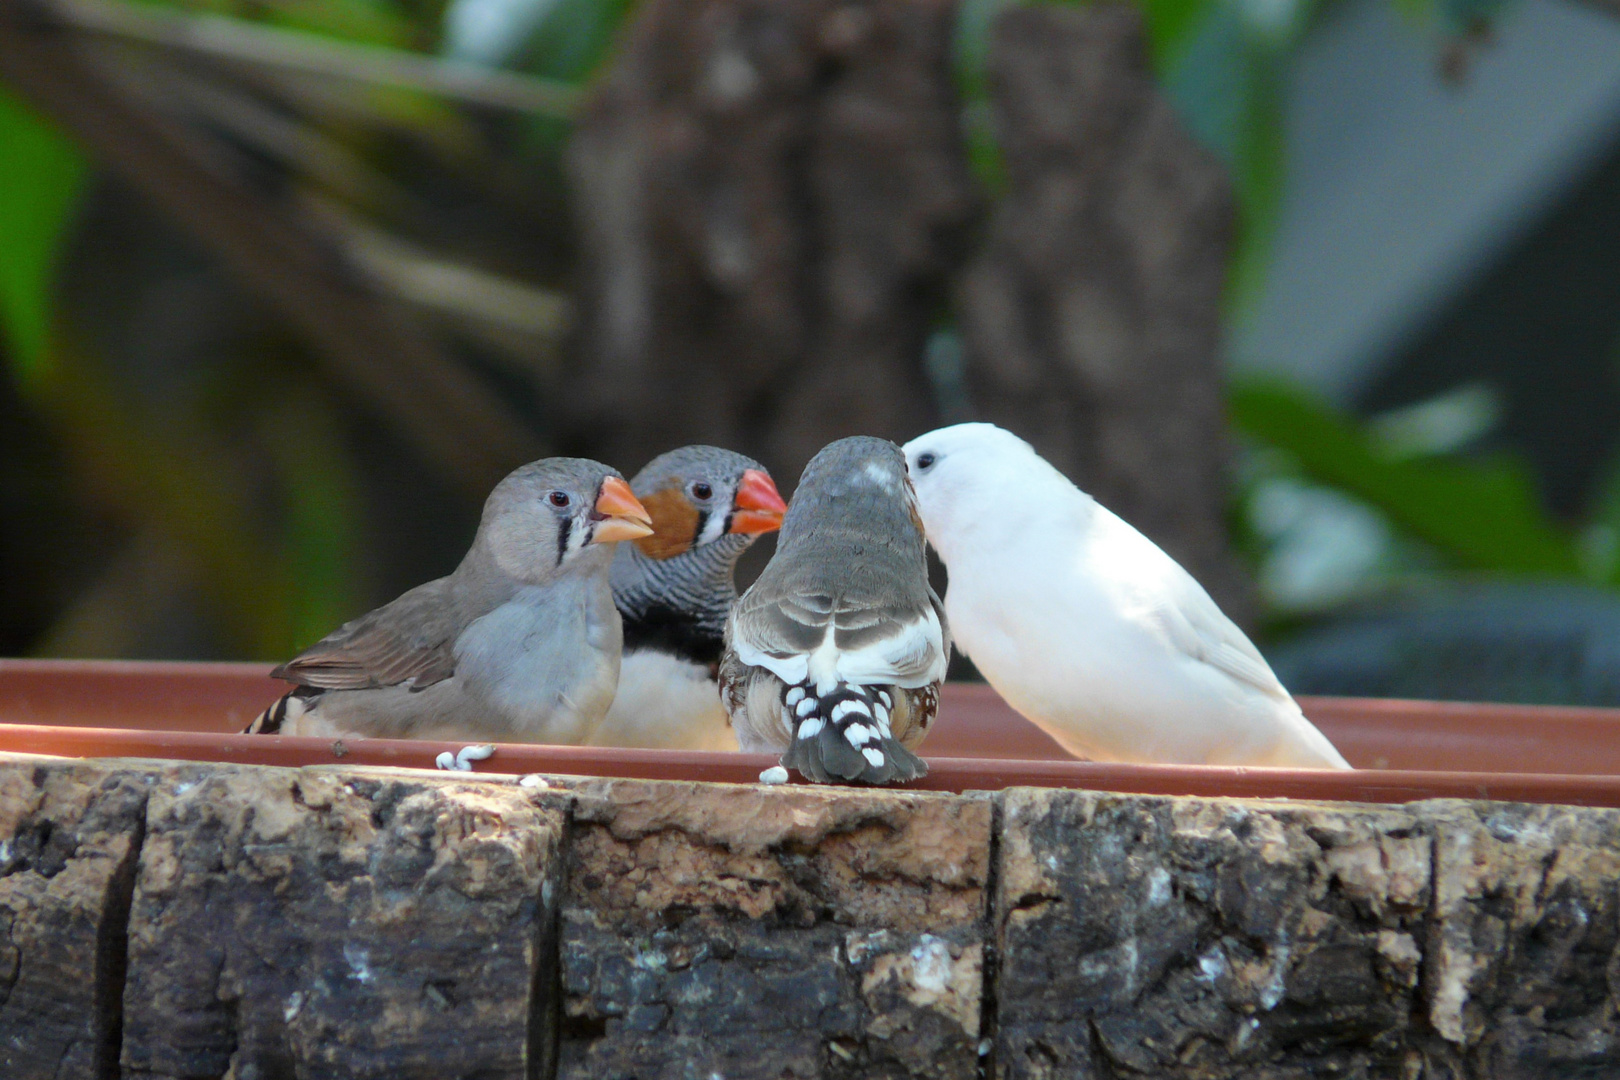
(619, 515)
(758, 507)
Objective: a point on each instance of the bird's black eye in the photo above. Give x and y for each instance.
(558, 498)
(926, 460)
(700, 490)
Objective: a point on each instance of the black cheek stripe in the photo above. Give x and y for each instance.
(562, 538)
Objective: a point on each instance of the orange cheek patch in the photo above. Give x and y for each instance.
(674, 522)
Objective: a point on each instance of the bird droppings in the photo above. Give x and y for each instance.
(774, 775)
(1212, 965)
(1271, 991)
(1158, 887)
(359, 963)
(535, 782)
(932, 958)
(461, 760)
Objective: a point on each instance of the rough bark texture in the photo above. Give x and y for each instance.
(1092, 315)
(769, 196)
(70, 834)
(1523, 972)
(1188, 938)
(790, 933)
(345, 923)
(322, 924)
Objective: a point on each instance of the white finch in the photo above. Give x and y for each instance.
(1085, 626)
(675, 589)
(835, 655)
(520, 643)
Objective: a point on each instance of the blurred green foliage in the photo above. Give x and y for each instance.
(41, 184)
(1480, 514)
(191, 467)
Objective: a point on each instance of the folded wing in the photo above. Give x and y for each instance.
(410, 641)
(850, 638)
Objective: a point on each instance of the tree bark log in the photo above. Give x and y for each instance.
(1092, 316)
(339, 925)
(1194, 939)
(358, 923)
(757, 933)
(70, 834)
(770, 196)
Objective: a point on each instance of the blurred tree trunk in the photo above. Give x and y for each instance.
(1092, 315)
(771, 196)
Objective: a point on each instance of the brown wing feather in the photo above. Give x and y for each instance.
(410, 640)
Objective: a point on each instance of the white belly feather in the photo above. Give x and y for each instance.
(665, 703)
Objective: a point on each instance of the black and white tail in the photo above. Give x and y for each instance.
(287, 708)
(844, 734)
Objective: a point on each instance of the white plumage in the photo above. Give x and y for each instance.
(1085, 626)
(665, 702)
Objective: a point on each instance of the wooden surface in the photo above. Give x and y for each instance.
(162, 919)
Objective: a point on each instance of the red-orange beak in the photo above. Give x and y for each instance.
(620, 514)
(758, 507)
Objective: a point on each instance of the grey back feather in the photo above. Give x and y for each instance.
(850, 553)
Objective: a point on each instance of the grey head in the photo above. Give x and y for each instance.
(553, 516)
(707, 506)
(852, 528)
(853, 494)
(547, 519)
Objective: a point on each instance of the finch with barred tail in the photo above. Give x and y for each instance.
(1085, 626)
(675, 589)
(520, 643)
(835, 655)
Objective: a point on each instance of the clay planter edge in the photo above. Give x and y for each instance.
(1404, 750)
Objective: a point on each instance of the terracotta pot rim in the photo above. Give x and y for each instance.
(980, 744)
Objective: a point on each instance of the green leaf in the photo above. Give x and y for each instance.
(146, 466)
(970, 48)
(1601, 539)
(41, 184)
(1483, 515)
(366, 21)
(1171, 24)
(321, 524)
